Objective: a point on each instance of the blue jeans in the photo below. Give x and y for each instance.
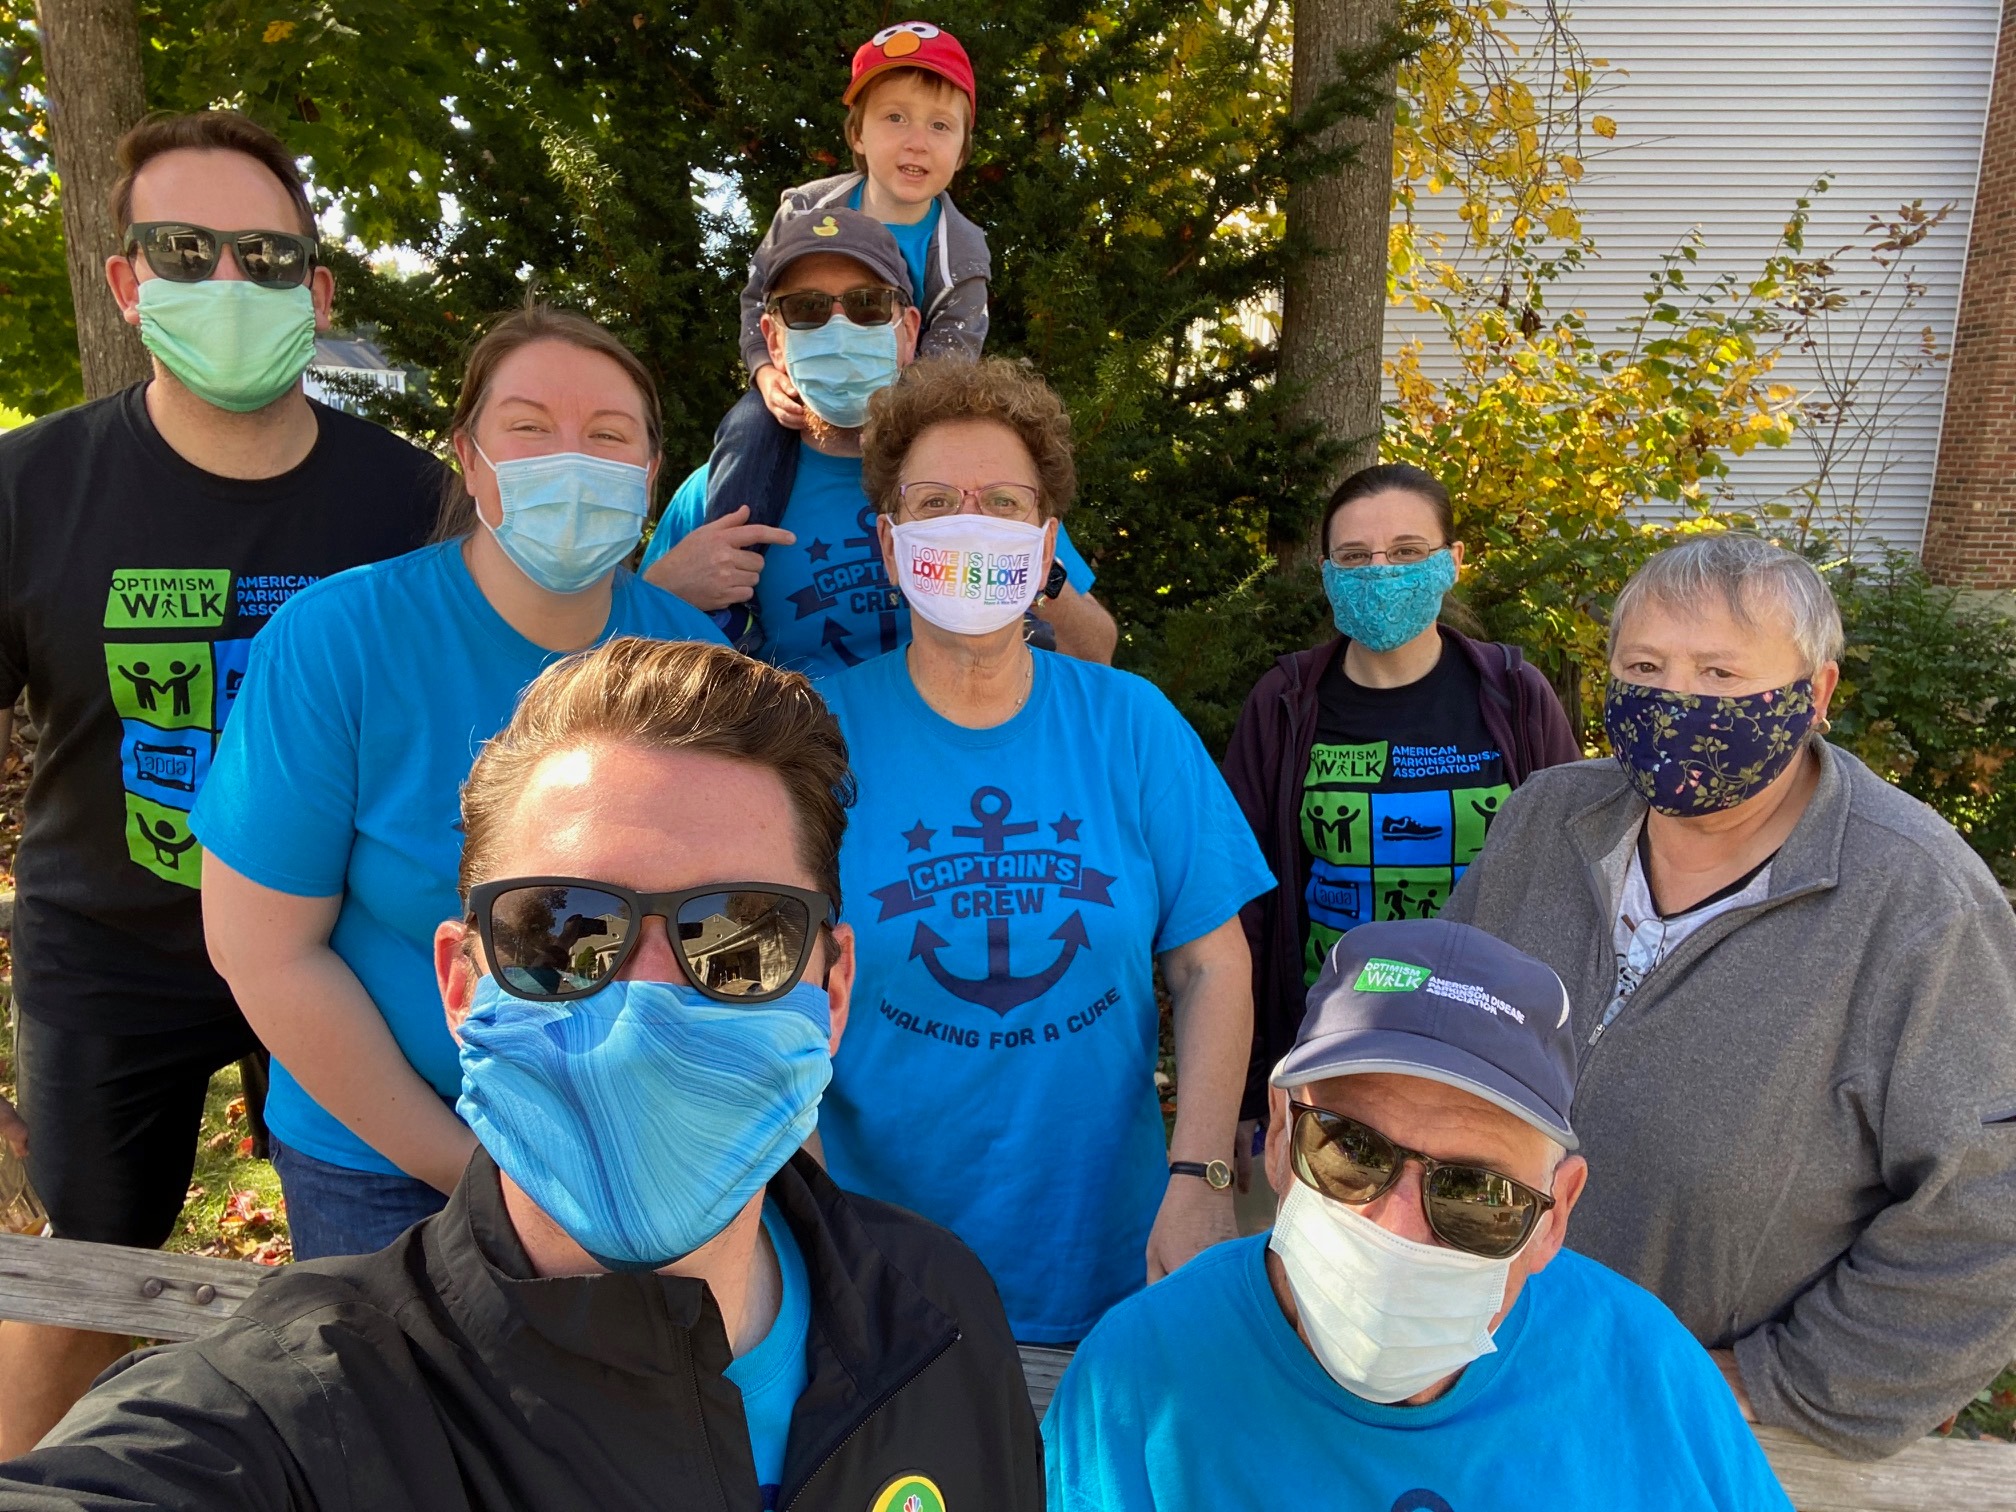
(333, 1210)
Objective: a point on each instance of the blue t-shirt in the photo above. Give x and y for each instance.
(1009, 891)
(913, 241)
(1198, 1395)
(774, 1374)
(824, 603)
(340, 772)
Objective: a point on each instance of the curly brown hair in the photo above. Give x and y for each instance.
(941, 389)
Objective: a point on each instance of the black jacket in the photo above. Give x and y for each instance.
(439, 1374)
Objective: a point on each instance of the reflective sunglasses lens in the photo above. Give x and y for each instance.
(869, 307)
(744, 944)
(806, 311)
(1340, 1158)
(273, 260)
(1479, 1211)
(552, 941)
(180, 254)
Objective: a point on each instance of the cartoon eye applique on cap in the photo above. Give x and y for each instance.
(904, 38)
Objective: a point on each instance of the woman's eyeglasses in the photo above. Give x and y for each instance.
(1471, 1208)
(932, 501)
(553, 938)
(1397, 556)
(185, 253)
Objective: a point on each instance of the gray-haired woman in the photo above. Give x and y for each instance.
(1795, 992)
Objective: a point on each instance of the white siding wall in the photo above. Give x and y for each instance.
(1727, 111)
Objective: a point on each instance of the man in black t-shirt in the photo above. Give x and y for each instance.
(145, 538)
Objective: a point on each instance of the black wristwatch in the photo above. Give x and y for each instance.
(1054, 584)
(1215, 1174)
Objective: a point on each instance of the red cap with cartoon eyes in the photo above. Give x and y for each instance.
(913, 44)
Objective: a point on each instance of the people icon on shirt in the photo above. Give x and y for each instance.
(148, 689)
(170, 843)
(145, 689)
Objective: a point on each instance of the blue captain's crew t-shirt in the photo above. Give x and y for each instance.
(913, 241)
(1197, 1395)
(340, 772)
(773, 1375)
(1009, 890)
(824, 602)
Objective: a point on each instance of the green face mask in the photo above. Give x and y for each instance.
(233, 344)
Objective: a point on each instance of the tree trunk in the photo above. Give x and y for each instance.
(1333, 314)
(91, 60)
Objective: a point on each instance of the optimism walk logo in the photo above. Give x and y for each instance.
(1010, 899)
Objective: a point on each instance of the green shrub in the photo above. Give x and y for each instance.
(1928, 699)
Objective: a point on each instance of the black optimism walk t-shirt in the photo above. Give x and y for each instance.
(1401, 787)
(131, 585)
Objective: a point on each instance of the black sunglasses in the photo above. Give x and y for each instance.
(809, 309)
(185, 253)
(1471, 1208)
(554, 938)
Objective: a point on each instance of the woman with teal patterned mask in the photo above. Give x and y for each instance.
(1373, 765)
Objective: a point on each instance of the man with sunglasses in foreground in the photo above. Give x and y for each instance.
(145, 538)
(806, 588)
(1411, 1336)
(643, 1294)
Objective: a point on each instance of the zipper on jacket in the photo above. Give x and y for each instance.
(862, 1422)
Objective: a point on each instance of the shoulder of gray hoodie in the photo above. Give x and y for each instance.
(1801, 1128)
(954, 301)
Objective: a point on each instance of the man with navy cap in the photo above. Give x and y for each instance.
(1411, 1336)
(796, 575)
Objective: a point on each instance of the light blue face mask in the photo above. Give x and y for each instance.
(568, 517)
(643, 1117)
(840, 366)
(1384, 606)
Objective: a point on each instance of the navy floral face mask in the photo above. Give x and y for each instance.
(1693, 753)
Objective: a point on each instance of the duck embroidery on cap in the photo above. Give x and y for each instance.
(827, 227)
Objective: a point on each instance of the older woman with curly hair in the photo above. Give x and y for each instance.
(1034, 835)
(1795, 993)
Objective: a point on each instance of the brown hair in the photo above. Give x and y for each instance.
(939, 389)
(669, 696)
(1391, 477)
(857, 113)
(205, 130)
(535, 322)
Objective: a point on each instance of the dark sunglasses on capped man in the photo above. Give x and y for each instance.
(809, 309)
(1469, 1207)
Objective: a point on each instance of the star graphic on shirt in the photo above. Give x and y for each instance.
(919, 837)
(818, 551)
(1067, 828)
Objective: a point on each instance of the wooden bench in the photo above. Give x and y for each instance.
(161, 1296)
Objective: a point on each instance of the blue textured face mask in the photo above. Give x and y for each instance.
(840, 366)
(1382, 606)
(568, 517)
(643, 1117)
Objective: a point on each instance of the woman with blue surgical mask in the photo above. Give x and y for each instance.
(1372, 766)
(329, 821)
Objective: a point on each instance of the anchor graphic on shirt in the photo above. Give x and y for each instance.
(823, 593)
(1001, 990)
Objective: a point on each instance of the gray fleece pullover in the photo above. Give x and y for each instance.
(1801, 1129)
(953, 302)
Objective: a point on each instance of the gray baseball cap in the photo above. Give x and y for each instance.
(845, 233)
(1444, 1001)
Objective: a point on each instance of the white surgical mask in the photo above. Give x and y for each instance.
(1387, 1316)
(969, 573)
